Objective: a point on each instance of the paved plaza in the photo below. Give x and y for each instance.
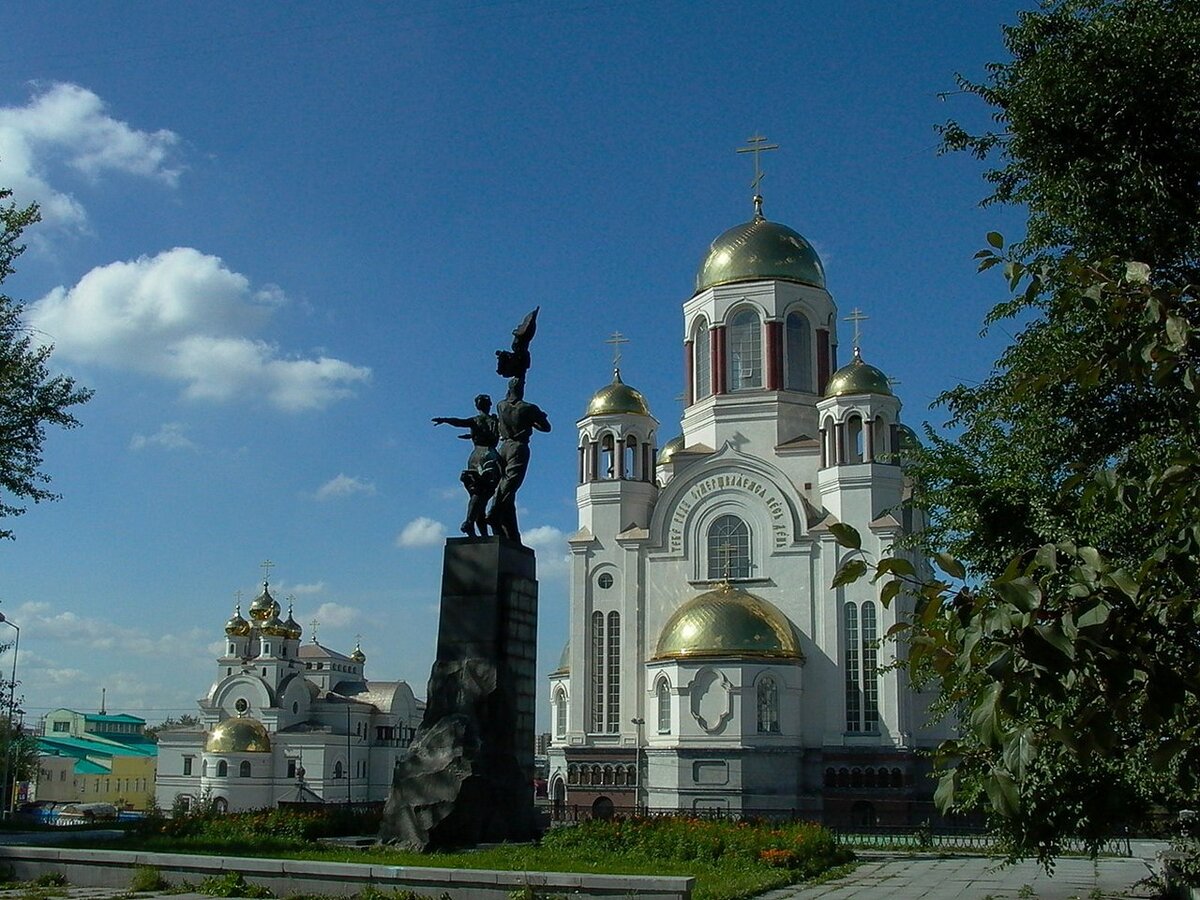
(932, 877)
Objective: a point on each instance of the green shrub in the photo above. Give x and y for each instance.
(276, 827)
(800, 846)
(51, 879)
(231, 884)
(147, 878)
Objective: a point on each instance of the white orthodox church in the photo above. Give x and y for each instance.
(286, 721)
(710, 664)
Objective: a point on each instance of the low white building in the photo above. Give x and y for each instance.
(286, 721)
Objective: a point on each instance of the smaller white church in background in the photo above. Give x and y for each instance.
(711, 663)
(286, 721)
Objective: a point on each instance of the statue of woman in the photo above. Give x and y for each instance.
(482, 473)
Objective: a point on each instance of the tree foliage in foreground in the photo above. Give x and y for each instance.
(1064, 495)
(30, 397)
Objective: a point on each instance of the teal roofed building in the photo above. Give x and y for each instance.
(95, 758)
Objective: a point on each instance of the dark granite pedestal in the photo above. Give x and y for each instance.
(468, 776)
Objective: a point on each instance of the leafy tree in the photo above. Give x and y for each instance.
(30, 397)
(1063, 501)
(171, 723)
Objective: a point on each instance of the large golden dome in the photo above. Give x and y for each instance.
(618, 398)
(669, 449)
(727, 622)
(242, 735)
(758, 250)
(858, 378)
(263, 606)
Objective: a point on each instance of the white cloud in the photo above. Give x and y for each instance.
(553, 561)
(285, 589)
(65, 124)
(421, 532)
(69, 628)
(169, 436)
(184, 316)
(343, 486)
(332, 615)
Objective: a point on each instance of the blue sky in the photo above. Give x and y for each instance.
(279, 238)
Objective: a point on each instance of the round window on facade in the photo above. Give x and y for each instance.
(241, 705)
(605, 580)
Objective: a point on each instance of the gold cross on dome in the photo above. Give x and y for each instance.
(617, 339)
(313, 628)
(857, 317)
(266, 565)
(758, 145)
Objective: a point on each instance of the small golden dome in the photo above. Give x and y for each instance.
(294, 631)
(617, 398)
(263, 606)
(358, 656)
(241, 735)
(727, 622)
(669, 449)
(858, 378)
(237, 626)
(274, 626)
(759, 250)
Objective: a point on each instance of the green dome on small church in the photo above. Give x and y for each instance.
(758, 250)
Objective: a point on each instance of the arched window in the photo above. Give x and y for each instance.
(630, 469)
(728, 549)
(597, 667)
(613, 663)
(798, 353)
(607, 777)
(244, 769)
(608, 458)
(702, 360)
(745, 352)
(220, 805)
(854, 440)
(204, 768)
(870, 681)
(222, 769)
(663, 694)
(619, 775)
(768, 706)
(560, 713)
(853, 689)
(337, 769)
(585, 775)
(572, 774)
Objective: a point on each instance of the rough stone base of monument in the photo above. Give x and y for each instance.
(468, 776)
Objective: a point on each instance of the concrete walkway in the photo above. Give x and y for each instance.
(931, 877)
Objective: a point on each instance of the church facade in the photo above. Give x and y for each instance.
(710, 664)
(286, 722)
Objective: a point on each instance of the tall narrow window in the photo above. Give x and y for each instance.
(728, 549)
(853, 689)
(745, 352)
(702, 361)
(869, 673)
(854, 439)
(222, 769)
(560, 713)
(663, 694)
(798, 353)
(768, 706)
(613, 663)
(244, 769)
(597, 662)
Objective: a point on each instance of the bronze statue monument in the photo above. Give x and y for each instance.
(482, 473)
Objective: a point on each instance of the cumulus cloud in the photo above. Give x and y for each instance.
(421, 532)
(170, 436)
(67, 627)
(285, 589)
(184, 316)
(554, 561)
(344, 486)
(68, 125)
(332, 615)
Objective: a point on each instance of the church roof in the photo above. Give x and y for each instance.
(618, 398)
(758, 250)
(241, 735)
(313, 650)
(857, 377)
(727, 622)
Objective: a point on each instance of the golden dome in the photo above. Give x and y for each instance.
(759, 250)
(294, 631)
(358, 656)
(263, 606)
(858, 378)
(669, 449)
(242, 735)
(274, 626)
(727, 622)
(237, 626)
(617, 398)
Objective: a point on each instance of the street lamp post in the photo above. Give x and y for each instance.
(9, 769)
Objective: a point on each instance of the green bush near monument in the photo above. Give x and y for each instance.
(730, 860)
